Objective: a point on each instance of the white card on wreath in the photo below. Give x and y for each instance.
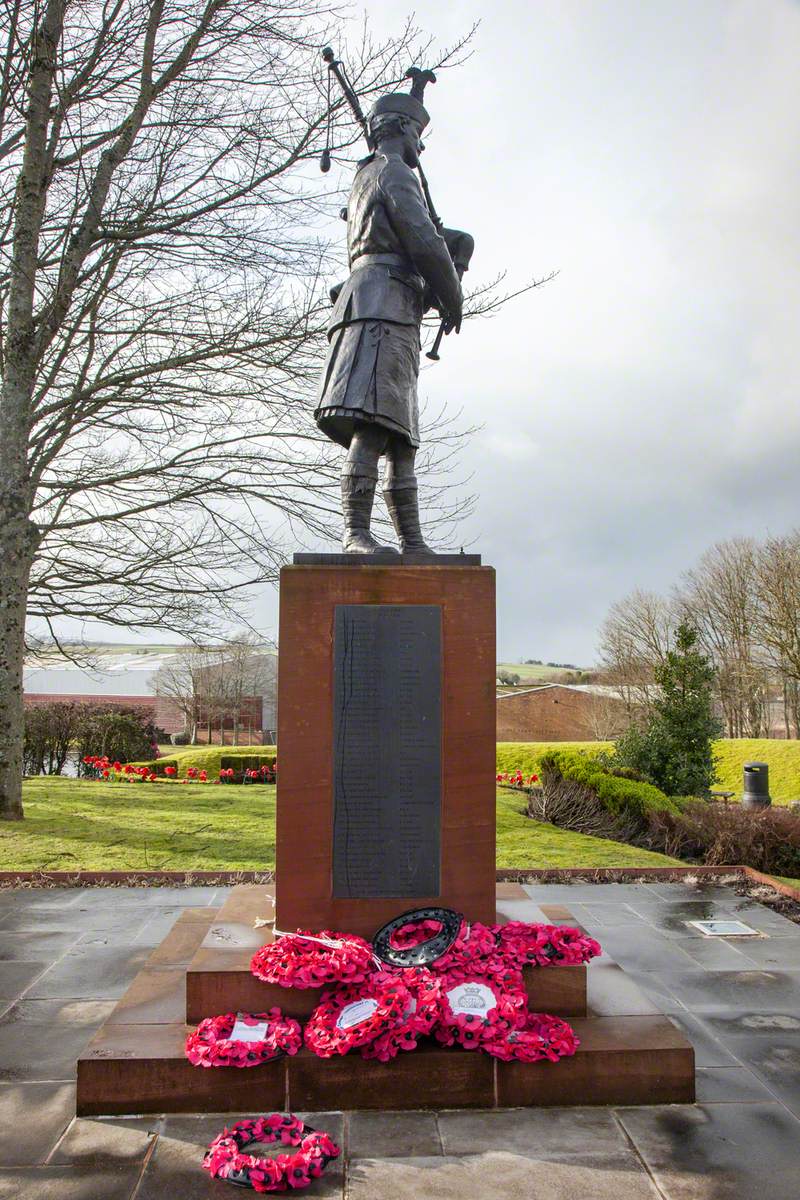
(248, 1029)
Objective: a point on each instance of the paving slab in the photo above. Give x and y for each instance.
(101, 1144)
(393, 1135)
(718, 1151)
(552, 1134)
(88, 1013)
(496, 1174)
(730, 1085)
(92, 973)
(37, 897)
(17, 977)
(16, 945)
(31, 1050)
(33, 1116)
(708, 1049)
(768, 1044)
(69, 1183)
(712, 953)
(753, 990)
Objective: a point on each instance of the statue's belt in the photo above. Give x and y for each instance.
(387, 260)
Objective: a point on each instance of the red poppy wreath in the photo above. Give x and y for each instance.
(224, 1158)
(243, 1039)
(312, 960)
(349, 1017)
(423, 1012)
(478, 1009)
(544, 945)
(541, 1037)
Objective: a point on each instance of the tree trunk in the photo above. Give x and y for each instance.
(16, 538)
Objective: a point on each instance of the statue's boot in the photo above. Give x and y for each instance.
(403, 506)
(358, 493)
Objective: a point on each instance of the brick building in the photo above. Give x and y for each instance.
(129, 679)
(557, 712)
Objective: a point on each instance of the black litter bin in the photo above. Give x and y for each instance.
(755, 789)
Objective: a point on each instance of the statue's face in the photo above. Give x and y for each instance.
(412, 144)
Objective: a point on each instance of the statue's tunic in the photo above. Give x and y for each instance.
(399, 264)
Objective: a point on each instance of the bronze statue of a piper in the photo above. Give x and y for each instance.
(402, 262)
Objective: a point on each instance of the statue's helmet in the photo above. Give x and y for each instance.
(402, 104)
(405, 105)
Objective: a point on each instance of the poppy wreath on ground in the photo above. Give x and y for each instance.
(422, 1014)
(417, 938)
(478, 1009)
(311, 960)
(314, 1150)
(541, 1037)
(524, 944)
(349, 1017)
(211, 1045)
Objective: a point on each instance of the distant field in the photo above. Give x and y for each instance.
(533, 673)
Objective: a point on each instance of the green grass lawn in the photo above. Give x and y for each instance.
(93, 826)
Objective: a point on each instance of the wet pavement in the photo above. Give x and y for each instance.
(66, 956)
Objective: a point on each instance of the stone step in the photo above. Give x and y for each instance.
(219, 980)
(130, 1068)
(629, 1053)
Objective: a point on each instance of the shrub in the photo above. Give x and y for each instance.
(674, 748)
(629, 801)
(729, 835)
(571, 805)
(117, 731)
(180, 739)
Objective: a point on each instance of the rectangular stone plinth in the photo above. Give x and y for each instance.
(332, 701)
(629, 1053)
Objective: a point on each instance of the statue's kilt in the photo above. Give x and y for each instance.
(371, 375)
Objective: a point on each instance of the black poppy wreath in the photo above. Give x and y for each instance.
(313, 1151)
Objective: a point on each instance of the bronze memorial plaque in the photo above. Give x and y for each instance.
(387, 735)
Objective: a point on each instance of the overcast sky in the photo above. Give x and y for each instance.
(643, 404)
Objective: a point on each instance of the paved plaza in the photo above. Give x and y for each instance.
(67, 955)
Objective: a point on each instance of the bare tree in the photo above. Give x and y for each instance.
(719, 598)
(605, 715)
(635, 637)
(161, 307)
(778, 617)
(179, 681)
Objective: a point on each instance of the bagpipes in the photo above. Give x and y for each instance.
(460, 245)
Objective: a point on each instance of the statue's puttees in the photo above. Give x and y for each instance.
(402, 262)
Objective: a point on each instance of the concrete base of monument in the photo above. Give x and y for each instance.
(629, 1052)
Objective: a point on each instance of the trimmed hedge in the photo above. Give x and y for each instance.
(731, 754)
(210, 759)
(527, 756)
(623, 798)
